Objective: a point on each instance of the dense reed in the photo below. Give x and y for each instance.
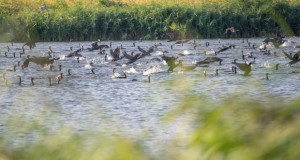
(127, 20)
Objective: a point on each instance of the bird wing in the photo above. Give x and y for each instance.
(117, 53)
(136, 56)
(26, 63)
(291, 58)
(46, 8)
(42, 11)
(143, 51)
(112, 53)
(103, 46)
(166, 58)
(296, 57)
(127, 56)
(150, 50)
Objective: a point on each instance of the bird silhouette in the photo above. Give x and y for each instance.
(42, 9)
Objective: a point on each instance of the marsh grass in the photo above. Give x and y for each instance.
(128, 20)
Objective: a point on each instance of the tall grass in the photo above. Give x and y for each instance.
(104, 19)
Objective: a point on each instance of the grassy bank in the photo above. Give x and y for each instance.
(128, 20)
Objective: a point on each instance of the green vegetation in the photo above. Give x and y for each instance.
(106, 19)
(232, 130)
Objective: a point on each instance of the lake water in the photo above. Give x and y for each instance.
(99, 102)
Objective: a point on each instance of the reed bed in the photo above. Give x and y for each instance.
(126, 20)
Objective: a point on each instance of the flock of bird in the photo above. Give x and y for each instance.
(119, 53)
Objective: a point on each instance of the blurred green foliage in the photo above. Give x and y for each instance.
(233, 129)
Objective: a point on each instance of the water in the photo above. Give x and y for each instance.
(98, 102)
